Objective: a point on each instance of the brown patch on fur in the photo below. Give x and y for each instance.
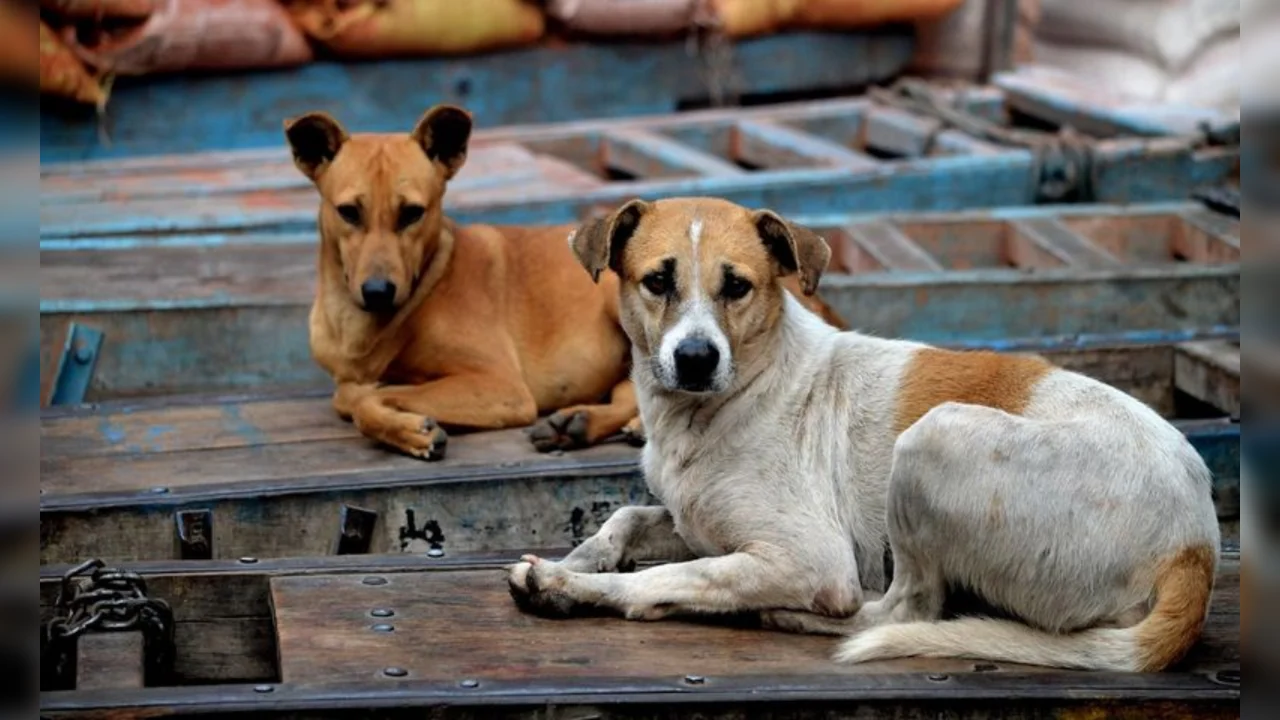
(1184, 582)
(935, 376)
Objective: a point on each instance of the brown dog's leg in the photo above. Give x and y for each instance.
(585, 425)
(408, 417)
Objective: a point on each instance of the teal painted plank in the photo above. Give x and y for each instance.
(541, 84)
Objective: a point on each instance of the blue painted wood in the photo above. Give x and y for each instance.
(175, 326)
(542, 84)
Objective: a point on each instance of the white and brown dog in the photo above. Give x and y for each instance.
(785, 452)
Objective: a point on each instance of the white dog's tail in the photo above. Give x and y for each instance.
(1183, 586)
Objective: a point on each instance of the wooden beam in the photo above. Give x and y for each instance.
(110, 660)
(1047, 242)
(1206, 237)
(1209, 371)
(647, 154)
(899, 132)
(772, 145)
(891, 248)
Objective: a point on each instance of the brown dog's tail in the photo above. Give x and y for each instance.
(1183, 585)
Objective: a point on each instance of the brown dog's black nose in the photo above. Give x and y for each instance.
(696, 361)
(379, 294)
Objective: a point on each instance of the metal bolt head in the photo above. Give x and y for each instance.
(83, 355)
(382, 612)
(159, 490)
(263, 689)
(394, 672)
(435, 552)
(374, 580)
(383, 628)
(248, 560)
(939, 677)
(470, 683)
(694, 679)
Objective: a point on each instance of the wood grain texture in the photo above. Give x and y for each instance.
(474, 630)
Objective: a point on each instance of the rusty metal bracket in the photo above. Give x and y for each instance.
(355, 531)
(195, 534)
(75, 367)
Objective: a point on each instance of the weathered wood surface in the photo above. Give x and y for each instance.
(275, 474)
(554, 82)
(467, 652)
(110, 660)
(231, 317)
(818, 157)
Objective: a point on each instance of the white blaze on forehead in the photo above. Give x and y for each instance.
(695, 234)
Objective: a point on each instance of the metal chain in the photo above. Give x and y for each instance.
(708, 43)
(1064, 159)
(94, 598)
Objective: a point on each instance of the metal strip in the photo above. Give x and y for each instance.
(75, 367)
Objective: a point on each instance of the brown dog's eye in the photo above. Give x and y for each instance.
(409, 214)
(735, 288)
(658, 283)
(350, 212)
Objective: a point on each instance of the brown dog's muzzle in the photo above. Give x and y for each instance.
(378, 295)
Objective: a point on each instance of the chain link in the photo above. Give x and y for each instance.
(94, 598)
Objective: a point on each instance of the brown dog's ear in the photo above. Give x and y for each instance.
(443, 132)
(315, 139)
(599, 243)
(796, 249)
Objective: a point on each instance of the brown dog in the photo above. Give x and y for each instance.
(425, 325)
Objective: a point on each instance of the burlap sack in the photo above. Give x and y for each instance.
(99, 9)
(740, 18)
(198, 35)
(625, 17)
(385, 28)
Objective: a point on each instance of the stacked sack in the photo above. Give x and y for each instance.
(955, 44)
(89, 40)
(1176, 51)
(737, 18)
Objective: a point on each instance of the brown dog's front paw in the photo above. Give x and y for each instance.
(560, 431)
(429, 443)
(633, 433)
(538, 587)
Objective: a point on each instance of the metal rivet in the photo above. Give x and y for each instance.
(374, 580)
(83, 355)
(939, 677)
(263, 689)
(435, 553)
(694, 679)
(394, 672)
(159, 491)
(1228, 677)
(383, 627)
(247, 560)
(469, 683)
(382, 612)
(985, 667)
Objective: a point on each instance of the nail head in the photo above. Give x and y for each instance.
(247, 560)
(382, 612)
(383, 628)
(394, 672)
(939, 677)
(694, 679)
(469, 683)
(435, 553)
(374, 580)
(159, 491)
(263, 688)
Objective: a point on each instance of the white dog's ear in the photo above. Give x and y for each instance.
(600, 243)
(795, 248)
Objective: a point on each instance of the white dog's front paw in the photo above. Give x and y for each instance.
(540, 587)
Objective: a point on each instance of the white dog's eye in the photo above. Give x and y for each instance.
(734, 288)
(658, 283)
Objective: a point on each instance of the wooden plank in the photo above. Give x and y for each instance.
(1031, 240)
(110, 660)
(225, 318)
(890, 248)
(898, 132)
(1207, 237)
(556, 82)
(645, 154)
(1210, 372)
(767, 144)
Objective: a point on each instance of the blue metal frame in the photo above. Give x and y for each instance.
(74, 374)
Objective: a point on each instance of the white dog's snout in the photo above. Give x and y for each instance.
(695, 352)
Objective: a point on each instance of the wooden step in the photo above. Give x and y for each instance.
(279, 477)
(229, 315)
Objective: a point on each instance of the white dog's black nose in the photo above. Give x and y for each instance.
(696, 360)
(379, 294)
